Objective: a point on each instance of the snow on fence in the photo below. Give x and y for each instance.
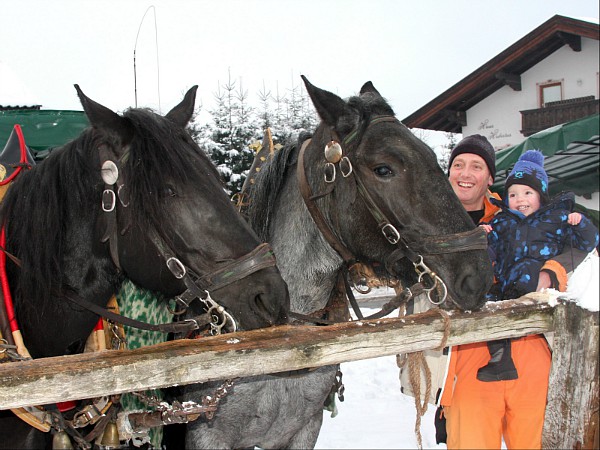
(571, 416)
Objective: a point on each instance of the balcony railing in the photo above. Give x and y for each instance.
(555, 113)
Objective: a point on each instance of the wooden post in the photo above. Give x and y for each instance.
(571, 420)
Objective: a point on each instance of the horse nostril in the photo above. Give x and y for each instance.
(261, 308)
(470, 286)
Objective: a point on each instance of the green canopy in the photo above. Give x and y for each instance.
(43, 129)
(572, 156)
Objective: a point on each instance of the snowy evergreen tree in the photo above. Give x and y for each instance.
(236, 130)
(445, 150)
(233, 130)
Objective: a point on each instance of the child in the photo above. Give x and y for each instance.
(523, 238)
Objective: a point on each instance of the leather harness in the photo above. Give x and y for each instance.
(474, 239)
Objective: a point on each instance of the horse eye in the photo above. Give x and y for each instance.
(170, 192)
(383, 171)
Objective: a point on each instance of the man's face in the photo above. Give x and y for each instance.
(470, 179)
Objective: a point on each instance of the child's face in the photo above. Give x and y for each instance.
(523, 198)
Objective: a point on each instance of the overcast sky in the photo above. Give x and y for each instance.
(412, 50)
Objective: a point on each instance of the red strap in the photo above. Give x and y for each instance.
(10, 309)
(100, 325)
(66, 406)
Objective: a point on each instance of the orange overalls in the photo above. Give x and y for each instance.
(479, 413)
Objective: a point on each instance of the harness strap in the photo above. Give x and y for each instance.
(173, 327)
(316, 213)
(259, 258)
(474, 239)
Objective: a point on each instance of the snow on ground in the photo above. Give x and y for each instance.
(374, 413)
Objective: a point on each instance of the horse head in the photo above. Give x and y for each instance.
(387, 201)
(169, 225)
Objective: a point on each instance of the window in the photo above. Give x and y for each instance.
(550, 91)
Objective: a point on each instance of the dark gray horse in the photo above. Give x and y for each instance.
(383, 200)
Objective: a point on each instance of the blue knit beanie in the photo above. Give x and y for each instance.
(529, 170)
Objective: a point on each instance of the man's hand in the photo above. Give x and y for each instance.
(544, 281)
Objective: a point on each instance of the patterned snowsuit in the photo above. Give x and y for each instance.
(522, 245)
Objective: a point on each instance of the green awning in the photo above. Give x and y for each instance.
(43, 129)
(572, 156)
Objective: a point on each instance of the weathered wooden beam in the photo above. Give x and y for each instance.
(513, 80)
(572, 413)
(257, 352)
(572, 40)
(457, 117)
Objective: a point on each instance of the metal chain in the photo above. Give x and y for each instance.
(214, 400)
(11, 351)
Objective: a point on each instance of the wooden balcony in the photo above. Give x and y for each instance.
(555, 113)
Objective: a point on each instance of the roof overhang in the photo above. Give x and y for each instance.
(447, 112)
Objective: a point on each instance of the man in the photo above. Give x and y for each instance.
(471, 421)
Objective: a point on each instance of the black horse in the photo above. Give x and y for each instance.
(364, 188)
(133, 196)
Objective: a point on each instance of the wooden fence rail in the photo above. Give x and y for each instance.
(574, 384)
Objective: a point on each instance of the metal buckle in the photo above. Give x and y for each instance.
(345, 173)
(176, 267)
(391, 234)
(109, 200)
(329, 172)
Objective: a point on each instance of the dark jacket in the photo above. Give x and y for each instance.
(520, 245)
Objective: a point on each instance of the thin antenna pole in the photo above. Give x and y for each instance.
(157, 60)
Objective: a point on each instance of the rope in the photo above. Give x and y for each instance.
(417, 364)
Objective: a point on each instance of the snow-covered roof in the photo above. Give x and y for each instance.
(13, 93)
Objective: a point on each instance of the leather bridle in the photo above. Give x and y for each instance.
(197, 287)
(405, 248)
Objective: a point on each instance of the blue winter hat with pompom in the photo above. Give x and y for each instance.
(529, 170)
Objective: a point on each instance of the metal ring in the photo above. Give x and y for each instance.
(331, 177)
(349, 169)
(109, 200)
(362, 287)
(177, 265)
(391, 234)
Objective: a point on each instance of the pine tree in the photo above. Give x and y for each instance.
(234, 130)
(446, 150)
(237, 128)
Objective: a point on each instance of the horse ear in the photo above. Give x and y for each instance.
(368, 87)
(329, 106)
(182, 113)
(104, 119)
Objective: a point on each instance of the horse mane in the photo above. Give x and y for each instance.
(264, 192)
(66, 188)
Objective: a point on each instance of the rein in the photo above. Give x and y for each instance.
(456, 242)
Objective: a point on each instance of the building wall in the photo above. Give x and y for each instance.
(498, 118)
